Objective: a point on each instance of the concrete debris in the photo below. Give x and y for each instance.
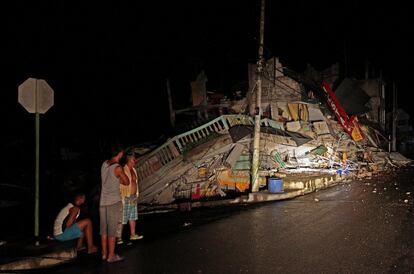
(315, 114)
(321, 128)
(298, 111)
(399, 159)
(298, 140)
(234, 155)
(320, 150)
(293, 126)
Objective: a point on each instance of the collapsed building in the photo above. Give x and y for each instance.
(304, 130)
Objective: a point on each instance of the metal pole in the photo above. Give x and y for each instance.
(37, 179)
(256, 137)
(172, 114)
(382, 103)
(394, 118)
(389, 143)
(345, 59)
(36, 228)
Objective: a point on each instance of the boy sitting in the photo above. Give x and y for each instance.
(67, 227)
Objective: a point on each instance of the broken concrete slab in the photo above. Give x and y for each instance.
(293, 126)
(399, 159)
(234, 155)
(315, 114)
(352, 97)
(321, 128)
(283, 111)
(306, 130)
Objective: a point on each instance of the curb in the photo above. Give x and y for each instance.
(42, 261)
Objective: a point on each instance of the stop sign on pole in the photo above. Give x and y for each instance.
(35, 95)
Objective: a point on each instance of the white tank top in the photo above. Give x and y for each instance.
(64, 212)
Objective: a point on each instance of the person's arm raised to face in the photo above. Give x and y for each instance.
(119, 173)
(73, 213)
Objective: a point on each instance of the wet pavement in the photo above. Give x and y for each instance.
(357, 227)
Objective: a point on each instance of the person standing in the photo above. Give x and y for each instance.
(129, 196)
(110, 204)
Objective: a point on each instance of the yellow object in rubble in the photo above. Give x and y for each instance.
(356, 134)
(298, 111)
(239, 182)
(202, 172)
(344, 158)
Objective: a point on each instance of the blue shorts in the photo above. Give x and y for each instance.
(70, 233)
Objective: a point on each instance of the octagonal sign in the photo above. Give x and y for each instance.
(35, 95)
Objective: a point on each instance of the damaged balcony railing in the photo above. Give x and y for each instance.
(154, 161)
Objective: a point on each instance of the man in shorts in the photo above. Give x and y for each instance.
(129, 195)
(110, 205)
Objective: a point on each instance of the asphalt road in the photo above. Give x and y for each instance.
(357, 227)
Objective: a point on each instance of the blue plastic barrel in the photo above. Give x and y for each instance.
(275, 185)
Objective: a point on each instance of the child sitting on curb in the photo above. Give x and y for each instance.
(67, 227)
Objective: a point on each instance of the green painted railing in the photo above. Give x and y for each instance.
(174, 147)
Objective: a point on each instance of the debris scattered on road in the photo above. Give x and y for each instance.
(301, 136)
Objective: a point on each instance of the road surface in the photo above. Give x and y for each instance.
(356, 227)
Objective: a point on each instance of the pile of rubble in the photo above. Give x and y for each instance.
(329, 147)
(219, 164)
(298, 136)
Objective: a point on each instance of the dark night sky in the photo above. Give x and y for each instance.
(108, 62)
